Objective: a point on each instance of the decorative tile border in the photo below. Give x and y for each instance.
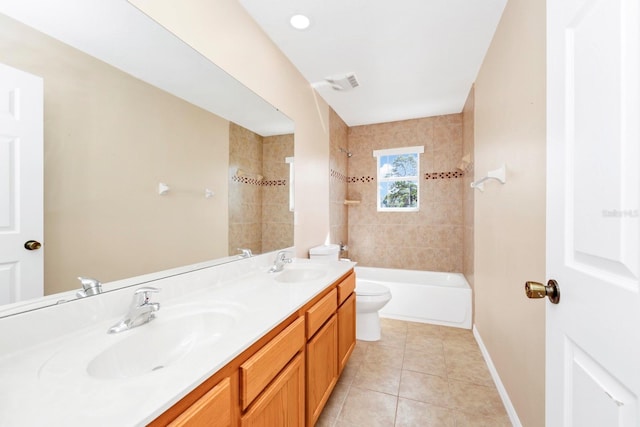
(261, 182)
(444, 175)
(273, 182)
(356, 179)
(430, 175)
(338, 175)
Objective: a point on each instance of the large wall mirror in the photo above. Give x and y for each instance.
(130, 110)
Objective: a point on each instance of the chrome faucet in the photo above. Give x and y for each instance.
(280, 261)
(89, 287)
(140, 312)
(246, 253)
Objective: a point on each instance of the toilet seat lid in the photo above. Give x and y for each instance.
(368, 288)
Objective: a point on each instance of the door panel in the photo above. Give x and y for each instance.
(611, 403)
(593, 195)
(21, 206)
(601, 139)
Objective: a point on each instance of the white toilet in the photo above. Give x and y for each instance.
(370, 297)
(329, 252)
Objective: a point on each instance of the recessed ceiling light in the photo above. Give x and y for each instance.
(300, 22)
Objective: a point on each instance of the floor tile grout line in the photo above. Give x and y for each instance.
(459, 348)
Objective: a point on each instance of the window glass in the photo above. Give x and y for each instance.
(398, 179)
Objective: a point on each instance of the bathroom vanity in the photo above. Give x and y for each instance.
(286, 377)
(232, 345)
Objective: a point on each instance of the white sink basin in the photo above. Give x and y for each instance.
(167, 339)
(159, 343)
(300, 273)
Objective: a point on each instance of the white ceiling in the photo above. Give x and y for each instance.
(413, 58)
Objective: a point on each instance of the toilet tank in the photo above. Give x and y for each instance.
(325, 252)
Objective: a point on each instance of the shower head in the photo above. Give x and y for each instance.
(348, 153)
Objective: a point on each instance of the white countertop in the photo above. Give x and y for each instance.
(43, 374)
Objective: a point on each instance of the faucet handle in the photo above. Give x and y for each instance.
(149, 289)
(246, 253)
(89, 286)
(145, 294)
(282, 255)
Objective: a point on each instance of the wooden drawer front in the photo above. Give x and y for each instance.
(320, 312)
(346, 288)
(212, 409)
(282, 403)
(257, 372)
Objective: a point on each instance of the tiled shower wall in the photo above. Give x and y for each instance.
(245, 193)
(338, 175)
(259, 217)
(277, 220)
(430, 239)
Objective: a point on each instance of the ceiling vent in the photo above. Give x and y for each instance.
(347, 81)
(341, 82)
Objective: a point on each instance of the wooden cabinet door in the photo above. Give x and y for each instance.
(211, 410)
(346, 330)
(322, 368)
(282, 403)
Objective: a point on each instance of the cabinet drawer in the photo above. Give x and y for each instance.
(282, 403)
(320, 312)
(346, 288)
(257, 372)
(212, 409)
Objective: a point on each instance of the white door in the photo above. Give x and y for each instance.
(593, 194)
(21, 207)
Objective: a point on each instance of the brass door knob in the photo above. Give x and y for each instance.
(538, 290)
(32, 245)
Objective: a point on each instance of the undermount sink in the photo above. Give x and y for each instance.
(300, 273)
(159, 343)
(167, 339)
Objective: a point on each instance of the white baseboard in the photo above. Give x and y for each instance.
(511, 411)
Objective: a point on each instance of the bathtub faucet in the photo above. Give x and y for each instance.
(280, 261)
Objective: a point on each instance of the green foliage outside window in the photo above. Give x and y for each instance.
(398, 181)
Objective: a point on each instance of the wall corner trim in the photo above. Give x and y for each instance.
(511, 411)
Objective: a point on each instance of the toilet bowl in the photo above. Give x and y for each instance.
(370, 298)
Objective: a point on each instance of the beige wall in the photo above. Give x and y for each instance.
(109, 140)
(338, 186)
(510, 218)
(223, 32)
(430, 239)
(468, 193)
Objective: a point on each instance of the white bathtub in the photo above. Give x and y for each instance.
(422, 296)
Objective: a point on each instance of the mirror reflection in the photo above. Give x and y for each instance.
(260, 218)
(112, 136)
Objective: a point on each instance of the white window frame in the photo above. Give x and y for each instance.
(378, 154)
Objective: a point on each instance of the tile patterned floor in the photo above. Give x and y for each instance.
(416, 375)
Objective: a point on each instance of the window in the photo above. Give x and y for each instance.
(398, 179)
